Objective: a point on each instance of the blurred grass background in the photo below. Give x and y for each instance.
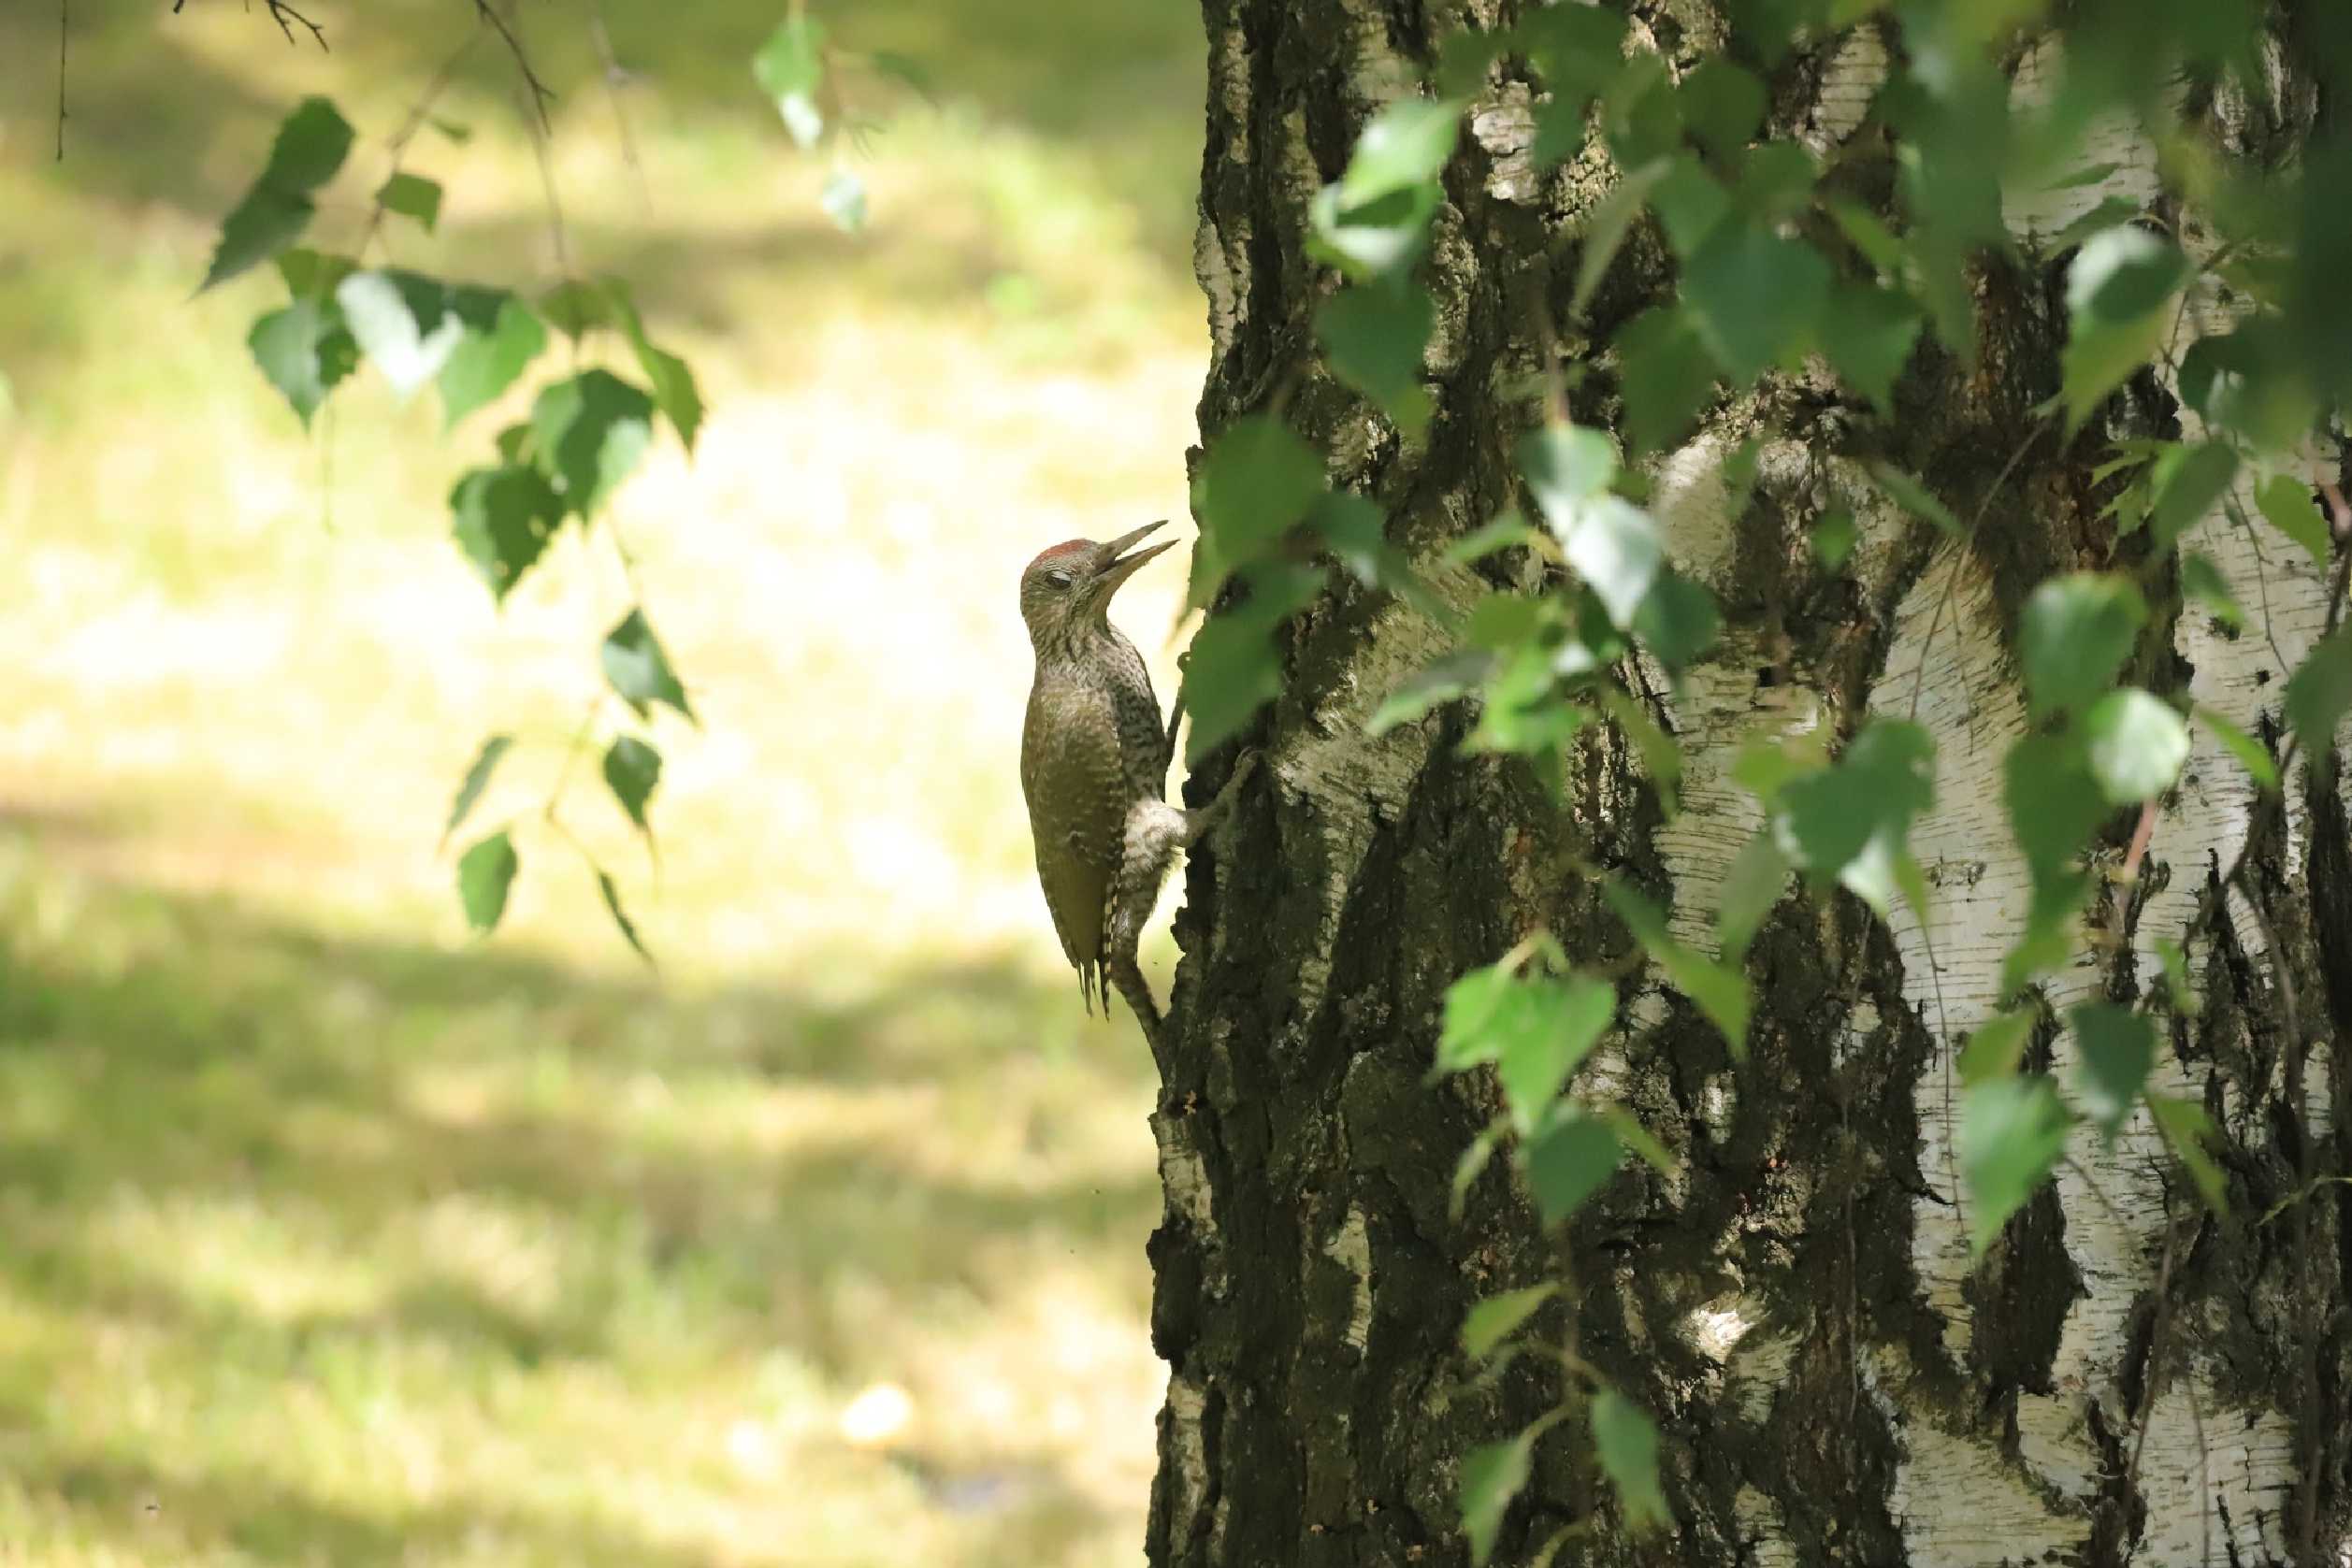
(328, 1237)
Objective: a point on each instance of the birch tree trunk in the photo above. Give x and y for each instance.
(2126, 1377)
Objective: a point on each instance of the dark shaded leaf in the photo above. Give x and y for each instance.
(2119, 1047)
(1496, 1318)
(312, 144)
(2012, 1131)
(1627, 1442)
(1569, 1159)
(503, 520)
(477, 779)
(2319, 692)
(631, 770)
(2074, 635)
(638, 670)
(592, 430)
(305, 350)
(412, 195)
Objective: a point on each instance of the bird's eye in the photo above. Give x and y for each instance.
(1059, 578)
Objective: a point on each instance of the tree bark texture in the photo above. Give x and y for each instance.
(2125, 1379)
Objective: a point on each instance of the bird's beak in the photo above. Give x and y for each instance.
(1115, 568)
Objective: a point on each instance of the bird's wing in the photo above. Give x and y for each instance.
(1143, 736)
(1072, 775)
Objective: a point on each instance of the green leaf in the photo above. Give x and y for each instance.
(1472, 1165)
(1496, 1318)
(1507, 531)
(1468, 1035)
(592, 429)
(2188, 1130)
(2119, 1047)
(1677, 621)
(2137, 745)
(1755, 297)
(255, 229)
(673, 389)
(2048, 941)
(1565, 466)
(638, 670)
(1721, 993)
(2012, 1131)
(412, 195)
(1995, 1047)
(1665, 374)
(2287, 506)
(2188, 481)
(1407, 143)
(2201, 582)
(2108, 214)
(1850, 821)
(2120, 279)
(631, 770)
(504, 518)
(1867, 334)
(1604, 231)
(1256, 483)
(2055, 801)
(1568, 1157)
(1382, 236)
(1775, 183)
(577, 307)
(2251, 753)
(2179, 993)
(1722, 104)
(611, 892)
(485, 873)
(1545, 1032)
(1449, 677)
(844, 200)
(790, 69)
(489, 357)
(2319, 692)
(403, 323)
(1868, 234)
(1916, 499)
(1833, 538)
(1751, 889)
(2075, 634)
(305, 350)
(1627, 1442)
(1374, 336)
(477, 779)
(1232, 670)
(1615, 548)
(1492, 1475)
(309, 273)
(1691, 205)
(312, 142)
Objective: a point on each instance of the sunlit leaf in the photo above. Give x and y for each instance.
(489, 357)
(2188, 1130)
(844, 200)
(790, 69)
(2136, 744)
(1492, 1475)
(403, 323)
(1721, 993)
(1496, 1318)
(1995, 1047)
(1450, 677)
(1545, 1030)
(1232, 670)
(1256, 483)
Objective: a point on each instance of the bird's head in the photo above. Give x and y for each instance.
(1067, 589)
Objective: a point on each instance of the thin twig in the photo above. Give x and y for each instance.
(2154, 1364)
(397, 147)
(63, 22)
(609, 66)
(1967, 536)
(542, 94)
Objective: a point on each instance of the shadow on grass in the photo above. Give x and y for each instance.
(707, 1178)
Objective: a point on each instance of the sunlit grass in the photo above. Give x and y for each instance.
(326, 1236)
